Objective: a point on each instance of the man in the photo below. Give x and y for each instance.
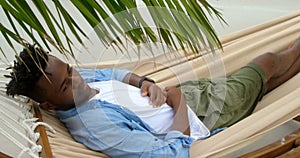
(97, 117)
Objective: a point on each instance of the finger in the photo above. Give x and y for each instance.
(144, 91)
(167, 89)
(158, 100)
(153, 96)
(152, 99)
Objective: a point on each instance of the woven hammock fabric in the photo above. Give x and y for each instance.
(276, 108)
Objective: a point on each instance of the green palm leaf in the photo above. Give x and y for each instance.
(179, 24)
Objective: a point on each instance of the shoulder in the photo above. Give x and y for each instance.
(94, 75)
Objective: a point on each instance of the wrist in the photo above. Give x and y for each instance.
(145, 79)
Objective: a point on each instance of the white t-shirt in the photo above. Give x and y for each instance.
(160, 119)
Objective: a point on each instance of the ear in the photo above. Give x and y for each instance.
(47, 106)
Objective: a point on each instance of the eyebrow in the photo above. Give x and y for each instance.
(62, 84)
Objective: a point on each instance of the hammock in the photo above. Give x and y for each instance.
(276, 108)
(17, 135)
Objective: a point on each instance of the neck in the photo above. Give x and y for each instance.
(92, 92)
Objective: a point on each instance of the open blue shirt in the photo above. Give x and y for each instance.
(115, 130)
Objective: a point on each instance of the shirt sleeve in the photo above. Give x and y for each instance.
(95, 75)
(117, 136)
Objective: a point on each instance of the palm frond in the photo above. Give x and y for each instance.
(179, 24)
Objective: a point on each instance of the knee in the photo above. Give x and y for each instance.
(269, 55)
(269, 63)
(269, 58)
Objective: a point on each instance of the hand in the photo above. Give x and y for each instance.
(174, 96)
(156, 95)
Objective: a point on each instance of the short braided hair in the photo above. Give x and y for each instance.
(26, 71)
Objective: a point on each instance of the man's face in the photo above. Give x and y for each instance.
(64, 87)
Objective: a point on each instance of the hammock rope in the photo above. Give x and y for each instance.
(18, 124)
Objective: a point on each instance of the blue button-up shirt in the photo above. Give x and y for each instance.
(115, 130)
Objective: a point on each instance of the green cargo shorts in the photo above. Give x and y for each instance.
(223, 101)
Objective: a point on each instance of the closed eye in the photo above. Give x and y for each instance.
(65, 88)
(64, 84)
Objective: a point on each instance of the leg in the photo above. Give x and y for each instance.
(280, 67)
(276, 81)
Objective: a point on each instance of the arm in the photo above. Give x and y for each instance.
(119, 133)
(176, 100)
(148, 88)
